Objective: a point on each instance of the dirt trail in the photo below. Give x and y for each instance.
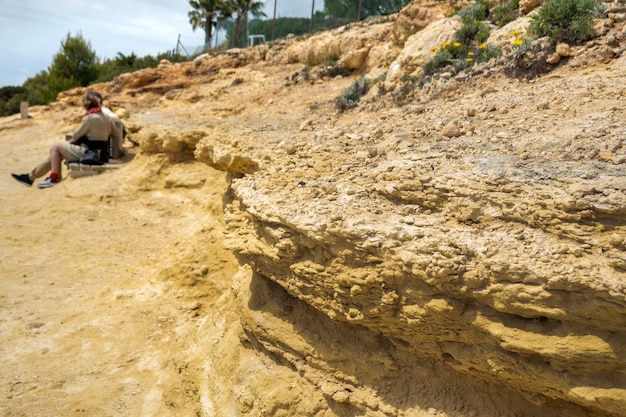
(98, 303)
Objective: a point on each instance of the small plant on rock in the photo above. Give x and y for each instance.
(331, 60)
(455, 56)
(477, 11)
(484, 52)
(380, 82)
(350, 97)
(504, 13)
(472, 30)
(409, 84)
(446, 54)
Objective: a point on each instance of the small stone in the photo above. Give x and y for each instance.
(612, 40)
(199, 59)
(618, 17)
(563, 49)
(616, 240)
(543, 105)
(354, 314)
(194, 306)
(451, 130)
(356, 290)
(525, 6)
(306, 124)
(554, 59)
(605, 54)
(341, 397)
(164, 63)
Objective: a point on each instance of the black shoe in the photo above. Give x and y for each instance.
(23, 178)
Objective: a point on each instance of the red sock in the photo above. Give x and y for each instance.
(54, 177)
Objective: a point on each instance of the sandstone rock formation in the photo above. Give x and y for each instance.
(462, 254)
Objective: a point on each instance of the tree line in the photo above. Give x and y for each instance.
(232, 16)
(77, 65)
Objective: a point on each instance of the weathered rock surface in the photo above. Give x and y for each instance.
(499, 252)
(477, 229)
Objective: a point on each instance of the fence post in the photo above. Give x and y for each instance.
(24, 109)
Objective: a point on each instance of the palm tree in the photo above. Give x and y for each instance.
(206, 14)
(242, 8)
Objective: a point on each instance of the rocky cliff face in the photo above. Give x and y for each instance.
(460, 254)
(498, 255)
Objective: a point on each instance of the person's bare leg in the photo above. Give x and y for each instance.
(56, 156)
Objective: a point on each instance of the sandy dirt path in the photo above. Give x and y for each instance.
(106, 281)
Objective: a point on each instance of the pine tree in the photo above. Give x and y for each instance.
(74, 65)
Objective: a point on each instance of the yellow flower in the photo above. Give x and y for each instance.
(518, 42)
(470, 53)
(468, 59)
(482, 46)
(448, 43)
(457, 44)
(497, 23)
(514, 33)
(434, 49)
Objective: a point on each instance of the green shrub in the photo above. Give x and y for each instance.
(410, 83)
(504, 13)
(446, 55)
(350, 97)
(567, 21)
(11, 98)
(485, 52)
(380, 82)
(459, 56)
(477, 11)
(331, 60)
(472, 30)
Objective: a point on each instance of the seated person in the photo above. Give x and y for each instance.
(116, 148)
(93, 133)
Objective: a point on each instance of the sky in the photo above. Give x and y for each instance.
(31, 31)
